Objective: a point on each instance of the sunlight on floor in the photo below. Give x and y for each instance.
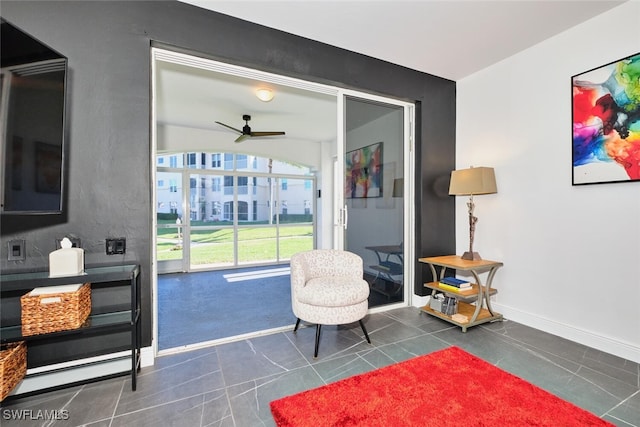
(257, 274)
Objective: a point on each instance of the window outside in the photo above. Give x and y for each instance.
(236, 210)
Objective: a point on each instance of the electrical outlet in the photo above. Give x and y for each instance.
(17, 250)
(116, 246)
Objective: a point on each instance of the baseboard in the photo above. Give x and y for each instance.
(76, 371)
(419, 301)
(618, 348)
(146, 357)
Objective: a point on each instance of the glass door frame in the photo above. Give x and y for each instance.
(341, 212)
(336, 169)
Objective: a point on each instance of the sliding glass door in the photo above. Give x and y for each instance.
(376, 146)
(336, 180)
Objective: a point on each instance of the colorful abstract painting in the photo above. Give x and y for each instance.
(606, 123)
(364, 172)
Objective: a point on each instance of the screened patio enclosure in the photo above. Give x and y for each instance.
(226, 210)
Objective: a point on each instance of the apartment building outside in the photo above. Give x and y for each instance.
(263, 187)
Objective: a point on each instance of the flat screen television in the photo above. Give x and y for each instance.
(33, 81)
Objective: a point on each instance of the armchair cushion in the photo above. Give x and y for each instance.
(333, 291)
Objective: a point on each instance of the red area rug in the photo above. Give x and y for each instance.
(449, 387)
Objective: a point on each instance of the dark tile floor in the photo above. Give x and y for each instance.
(232, 384)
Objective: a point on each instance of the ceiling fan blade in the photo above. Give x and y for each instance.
(242, 138)
(232, 128)
(266, 133)
(246, 130)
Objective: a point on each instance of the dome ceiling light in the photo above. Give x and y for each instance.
(264, 94)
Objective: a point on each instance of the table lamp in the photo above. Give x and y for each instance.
(470, 182)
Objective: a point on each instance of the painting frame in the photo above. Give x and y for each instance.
(605, 113)
(363, 172)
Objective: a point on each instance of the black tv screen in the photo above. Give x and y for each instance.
(32, 95)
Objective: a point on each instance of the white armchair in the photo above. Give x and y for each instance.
(327, 288)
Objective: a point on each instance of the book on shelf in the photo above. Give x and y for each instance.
(455, 289)
(461, 288)
(454, 281)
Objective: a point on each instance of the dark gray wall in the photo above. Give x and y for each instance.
(108, 46)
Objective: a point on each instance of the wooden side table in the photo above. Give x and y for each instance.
(476, 313)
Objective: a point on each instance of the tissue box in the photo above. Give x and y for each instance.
(67, 261)
(55, 308)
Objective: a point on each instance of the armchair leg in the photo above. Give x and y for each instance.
(297, 324)
(365, 331)
(315, 353)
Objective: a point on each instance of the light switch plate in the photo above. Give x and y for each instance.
(16, 250)
(116, 246)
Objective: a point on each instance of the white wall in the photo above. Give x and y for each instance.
(571, 253)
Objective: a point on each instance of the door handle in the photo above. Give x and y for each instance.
(345, 217)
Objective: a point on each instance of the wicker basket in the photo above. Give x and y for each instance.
(43, 314)
(13, 366)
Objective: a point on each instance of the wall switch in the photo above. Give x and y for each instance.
(116, 246)
(17, 250)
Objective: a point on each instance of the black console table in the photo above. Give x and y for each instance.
(115, 295)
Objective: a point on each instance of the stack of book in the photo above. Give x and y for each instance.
(453, 284)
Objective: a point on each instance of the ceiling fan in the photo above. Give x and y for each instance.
(246, 131)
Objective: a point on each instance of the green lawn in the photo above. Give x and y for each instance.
(216, 246)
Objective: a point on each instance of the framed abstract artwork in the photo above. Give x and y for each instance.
(606, 123)
(363, 169)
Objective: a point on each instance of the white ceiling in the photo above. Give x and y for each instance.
(196, 97)
(447, 38)
(451, 39)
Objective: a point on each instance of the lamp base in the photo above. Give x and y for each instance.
(471, 256)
